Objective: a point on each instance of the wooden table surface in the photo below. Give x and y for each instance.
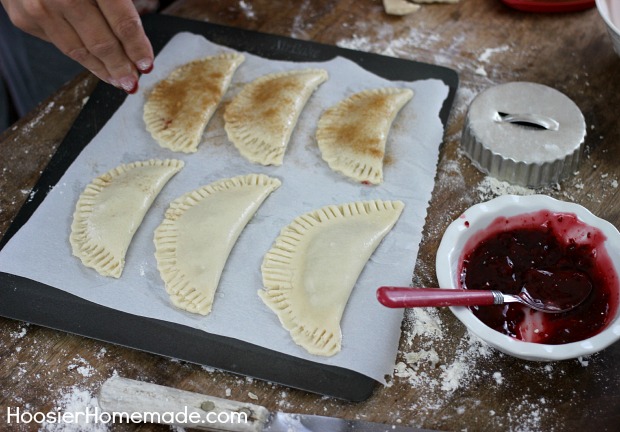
(445, 379)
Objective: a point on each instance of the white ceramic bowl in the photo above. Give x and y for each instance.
(612, 20)
(480, 217)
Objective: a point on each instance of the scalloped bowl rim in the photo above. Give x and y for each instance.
(479, 217)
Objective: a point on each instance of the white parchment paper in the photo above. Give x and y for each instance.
(41, 250)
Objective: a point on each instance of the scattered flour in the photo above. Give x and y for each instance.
(21, 333)
(425, 322)
(85, 371)
(76, 400)
(464, 97)
(358, 43)
(82, 367)
(425, 332)
(48, 108)
(386, 42)
(443, 369)
(481, 71)
(485, 57)
(247, 9)
(527, 417)
(413, 358)
(469, 351)
(491, 187)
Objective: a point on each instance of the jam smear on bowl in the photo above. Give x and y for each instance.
(547, 255)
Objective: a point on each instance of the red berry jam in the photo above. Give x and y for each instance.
(553, 255)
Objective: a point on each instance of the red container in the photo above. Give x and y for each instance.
(550, 5)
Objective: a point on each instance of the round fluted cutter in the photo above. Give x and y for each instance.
(524, 133)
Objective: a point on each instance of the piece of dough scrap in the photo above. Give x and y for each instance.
(405, 7)
(112, 207)
(352, 134)
(400, 7)
(179, 107)
(314, 264)
(259, 121)
(199, 230)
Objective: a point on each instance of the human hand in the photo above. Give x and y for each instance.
(105, 36)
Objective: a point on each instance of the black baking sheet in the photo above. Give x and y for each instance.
(57, 309)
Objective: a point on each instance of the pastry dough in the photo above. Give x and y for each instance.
(200, 229)
(435, 1)
(260, 119)
(111, 209)
(179, 107)
(314, 264)
(399, 7)
(352, 134)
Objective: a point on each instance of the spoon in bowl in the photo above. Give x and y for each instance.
(545, 291)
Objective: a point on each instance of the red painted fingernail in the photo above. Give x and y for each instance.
(129, 84)
(134, 89)
(145, 65)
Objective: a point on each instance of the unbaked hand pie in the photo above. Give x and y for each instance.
(352, 134)
(111, 209)
(179, 107)
(310, 271)
(199, 230)
(260, 119)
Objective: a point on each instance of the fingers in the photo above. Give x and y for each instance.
(99, 40)
(105, 36)
(45, 21)
(126, 25)
(70, 43)
(23, 19)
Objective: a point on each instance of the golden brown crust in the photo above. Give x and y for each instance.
(353, 133)
(261, 118)
(179, 107)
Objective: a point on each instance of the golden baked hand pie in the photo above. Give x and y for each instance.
(352, 134)
(200, 228)
(311, 269)
(179, 107)
(111, 209)
(260, 119)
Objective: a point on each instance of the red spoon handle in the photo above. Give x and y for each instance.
(398, 297)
